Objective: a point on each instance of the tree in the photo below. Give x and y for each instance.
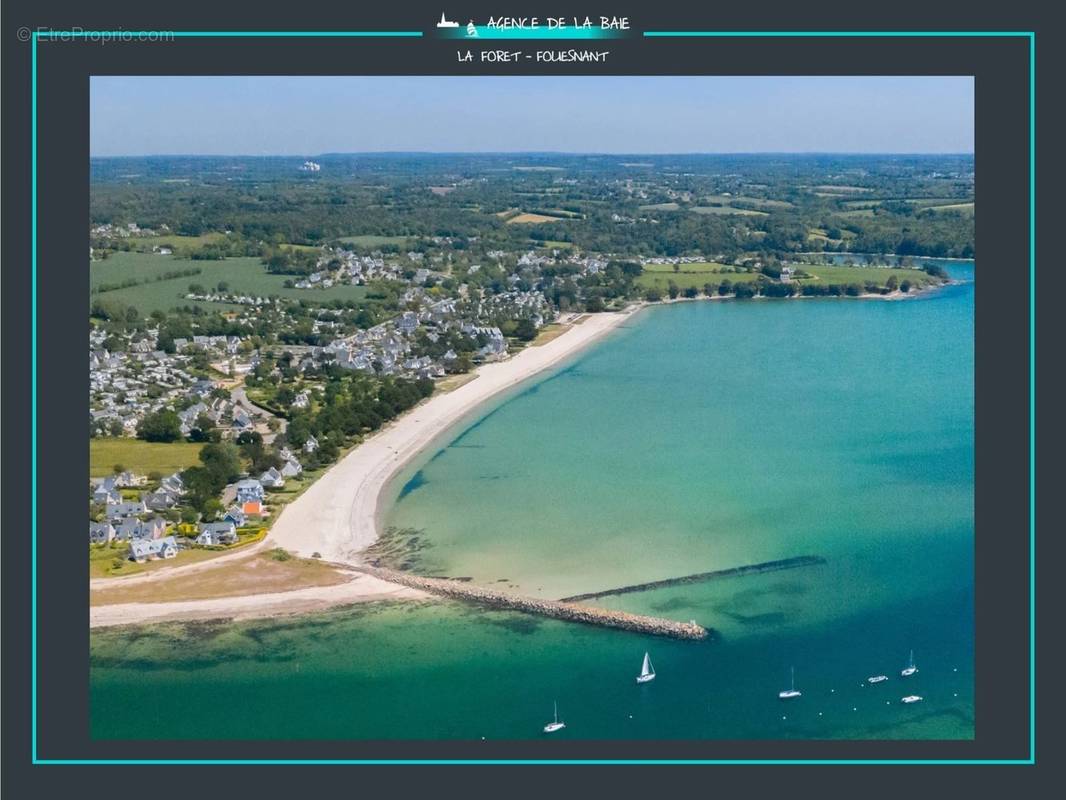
(222, 460)
(165, 342)
(117, 468)
(199, 488)
(203, 429)
(526, 330)
(160, 426)
(673, 290)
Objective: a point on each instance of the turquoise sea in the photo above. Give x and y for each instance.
(699, 436)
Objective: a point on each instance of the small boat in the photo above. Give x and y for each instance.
(877, 678)
(788, 694)
(911, 698)
(647, 671)
(910, 669)
(552, 727)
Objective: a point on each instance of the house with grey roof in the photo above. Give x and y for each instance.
(142, 550)
(122, 510)
(291, 468)
(272, 479)
(236, 515)
(132, 528)
(101, 532)
(249, 490)
(107, 495)
(217, 533)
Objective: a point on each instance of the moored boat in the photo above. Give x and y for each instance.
(647, 671)
(556, 725)
(791, 692)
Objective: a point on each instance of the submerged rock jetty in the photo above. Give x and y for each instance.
(556, 609)
(732, 572)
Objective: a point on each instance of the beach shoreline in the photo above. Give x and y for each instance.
(360, 589)
(337, 518)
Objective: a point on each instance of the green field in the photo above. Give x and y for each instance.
(176, 240)
(843, 275)
(244, 276)
(697, 266)
(375, 241)
(963, 208)
(140, 457)
(747, 212)
(662, 280)
(760, 202)
(661, 207)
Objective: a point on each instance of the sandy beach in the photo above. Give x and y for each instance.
(360, 589)
(337, 516)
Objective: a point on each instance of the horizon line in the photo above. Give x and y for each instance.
(547, 153)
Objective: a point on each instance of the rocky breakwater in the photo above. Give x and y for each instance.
(572, 612)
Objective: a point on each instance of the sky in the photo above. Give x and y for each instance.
(306, 116)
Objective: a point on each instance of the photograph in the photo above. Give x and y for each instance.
(512, 408)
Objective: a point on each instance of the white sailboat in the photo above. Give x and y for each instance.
(788, 694)
(910, 669)
(647, 671)
(552, 727)
(877, 678)
(911, 698)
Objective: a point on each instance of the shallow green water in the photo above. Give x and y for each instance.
(701, 436)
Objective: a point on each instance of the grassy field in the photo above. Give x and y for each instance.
(661, 207)
(835, 188)
(662, 280)
(759, 202)
(964, 208)
(257, 574)
(140, 457)
(553, 330)
(103, 557)
(746, 212)
(840, 274)
(370, 240)
(176, 240)
(698, 266)
(551, 244)
(526, 219)
(244, 276)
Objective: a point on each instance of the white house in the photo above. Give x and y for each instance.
(271, 479)
(216, 533)
(142, 550)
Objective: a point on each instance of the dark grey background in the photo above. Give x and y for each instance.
(1001, 67)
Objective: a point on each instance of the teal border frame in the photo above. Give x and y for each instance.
(118, 35)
